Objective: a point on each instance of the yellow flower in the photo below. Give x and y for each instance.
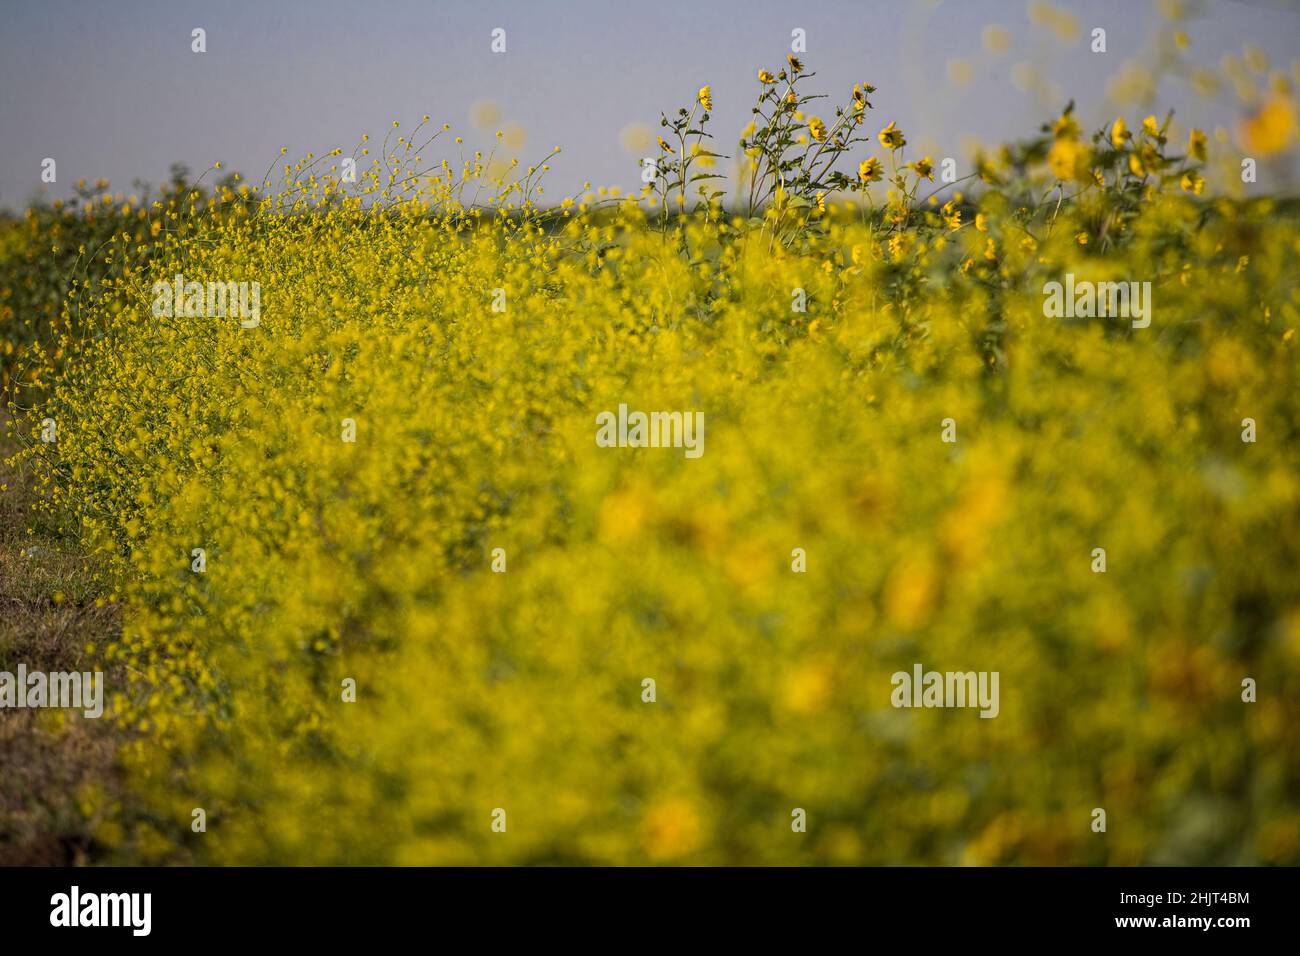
(1192, 182)
(1066, 128)
(808, 688)
(860, 103)
(911, 590)
(1152, 128)
(1196, 145)
(670, 829)
(891, 137)
(951, 215)
(816, 128)
(766, 77)
(870, 170)
(664, 146)
(1119, 133)
(1068, 159)
(795, 65)
(1270, 130)
(996, 39)
(986, 170)
(981, 222)
(1145, 161)
(924, 168)
(706, 97)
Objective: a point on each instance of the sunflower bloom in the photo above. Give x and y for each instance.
(1119, 133)
(816, 128)
(924, 168)
(870, 170)
(860, 103)
(891, 137)
(706, 97)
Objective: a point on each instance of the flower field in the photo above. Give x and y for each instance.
(387, 600)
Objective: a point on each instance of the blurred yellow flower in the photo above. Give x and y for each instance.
(671, 829)
(1068, 159)
(1270, 129)
(1119, 133)
(996, 39)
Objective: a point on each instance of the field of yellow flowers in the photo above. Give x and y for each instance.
(386, 600)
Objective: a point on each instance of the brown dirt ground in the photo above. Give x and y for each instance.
(48, 613)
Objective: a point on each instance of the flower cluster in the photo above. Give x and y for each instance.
(394, 487)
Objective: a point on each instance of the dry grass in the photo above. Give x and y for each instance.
(48, 760)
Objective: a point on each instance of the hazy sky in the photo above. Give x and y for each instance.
(112, 89)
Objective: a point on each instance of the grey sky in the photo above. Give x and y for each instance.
(111, 89)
